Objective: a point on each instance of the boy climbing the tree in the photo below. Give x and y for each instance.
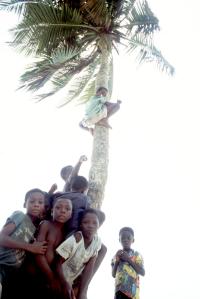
(98, 110)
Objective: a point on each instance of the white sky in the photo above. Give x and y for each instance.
(154, 169)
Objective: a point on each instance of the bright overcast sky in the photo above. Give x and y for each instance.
(154, 170)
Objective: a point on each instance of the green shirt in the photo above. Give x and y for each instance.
(94, 106)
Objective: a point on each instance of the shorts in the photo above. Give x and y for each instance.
(120, 295)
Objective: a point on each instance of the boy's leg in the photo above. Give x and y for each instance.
(91, 130)
(112, 108)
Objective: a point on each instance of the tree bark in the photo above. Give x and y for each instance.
(99, 170)
(99, 163)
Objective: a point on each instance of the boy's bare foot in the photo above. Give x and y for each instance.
(91, 130)
(82, 126)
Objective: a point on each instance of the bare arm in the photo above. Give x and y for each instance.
(76, 168)
(65, 286)
(99, 258)
(86, 277)
(41, 260)
(53, 188)
(7, 241)
(75, 172)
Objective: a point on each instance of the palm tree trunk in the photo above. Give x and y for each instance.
(99, 166)
(99, 162)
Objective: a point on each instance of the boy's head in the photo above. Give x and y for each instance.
(126, 237)
(79, 184)
(65, 172)
(89, 222)
(102, 91)
(35, 202)
(62, 209)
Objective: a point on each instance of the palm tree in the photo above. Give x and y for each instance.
(73, 43)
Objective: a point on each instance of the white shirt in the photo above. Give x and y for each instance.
(76, 255)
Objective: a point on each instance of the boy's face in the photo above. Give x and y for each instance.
(62, 210)
(89, 225)
(35, 204)
(126, 239)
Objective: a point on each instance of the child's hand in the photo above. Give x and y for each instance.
(118, 255)
(124, 256)
(53, 188)
(38, 247)
(82, 158)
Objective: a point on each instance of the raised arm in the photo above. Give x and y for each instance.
(7, 241)
(53, 188)
(74, 173)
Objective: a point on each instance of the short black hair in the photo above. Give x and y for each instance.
(88, 211)
(101, 87)
(65, 170)
(79, 183)
(58, 197)
(30, 192)
(127, 229)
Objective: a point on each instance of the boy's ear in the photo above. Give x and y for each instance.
(24, 205)
(133, 240)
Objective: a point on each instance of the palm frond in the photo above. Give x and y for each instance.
(40, 71)
(16, 6)
(88, 91)
(141, 19)
(96, 12)
(44, 27)
(66, 74)
(147, 52)
(37, 74)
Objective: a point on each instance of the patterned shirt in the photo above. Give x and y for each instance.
(76, 255)
(24, 232)
(126, 279)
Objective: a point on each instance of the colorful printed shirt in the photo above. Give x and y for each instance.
(24, 232)
(126, 279)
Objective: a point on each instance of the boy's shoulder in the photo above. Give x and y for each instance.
(77, 197)
(16, 217)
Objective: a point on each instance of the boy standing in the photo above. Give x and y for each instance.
(18, 232)
(127, 265)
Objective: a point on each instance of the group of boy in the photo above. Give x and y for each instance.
(64, 250)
